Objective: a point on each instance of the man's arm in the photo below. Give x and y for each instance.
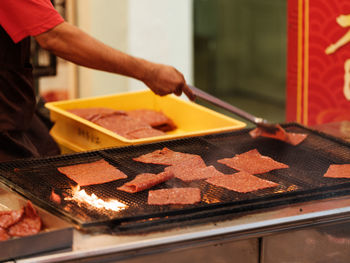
(72, 44)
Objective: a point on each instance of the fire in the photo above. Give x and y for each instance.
(81, 196)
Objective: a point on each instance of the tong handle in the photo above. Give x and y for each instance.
(210, 98)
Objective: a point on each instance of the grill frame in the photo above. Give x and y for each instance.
(221, 145)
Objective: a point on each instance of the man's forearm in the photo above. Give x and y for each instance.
(72, 44)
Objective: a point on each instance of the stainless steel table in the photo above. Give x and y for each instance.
(315, 231)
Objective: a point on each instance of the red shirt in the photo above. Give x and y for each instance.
(23, 18)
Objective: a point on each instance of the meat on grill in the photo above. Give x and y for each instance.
(242, 182)
(174, 196)
(187, 167)
(188, 173)
(55, 197)
(97, 172)
(338, 171)
(169, 157)
(145, 181)
(252, 162)
(281, 134)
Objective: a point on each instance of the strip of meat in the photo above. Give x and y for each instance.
(3, 234)
(169, 157)
(55, 197)
(204, 173)
(280, 134)
(183, 165)
(174, 196)
(92, 114)
(134, 124)
(242, 182)
(145, 133)
(145, 181)
(189, 173)
(295, 138)
(121, 124)
(252, 162)
(30, 223)
(156, 119)
(338, 171)
(98, 172)
(164, 157)
(8, 218)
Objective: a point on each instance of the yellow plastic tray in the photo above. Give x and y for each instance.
(76, 134)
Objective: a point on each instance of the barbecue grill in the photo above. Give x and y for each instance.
(303, 181)
(305, 209)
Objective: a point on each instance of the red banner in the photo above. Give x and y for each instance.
(318, 77)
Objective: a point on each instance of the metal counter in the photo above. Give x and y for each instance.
(306, 232)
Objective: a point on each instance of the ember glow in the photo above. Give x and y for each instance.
(81, 196)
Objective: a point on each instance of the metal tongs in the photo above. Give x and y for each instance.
(259, 122)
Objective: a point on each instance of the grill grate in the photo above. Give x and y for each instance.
(36, 178)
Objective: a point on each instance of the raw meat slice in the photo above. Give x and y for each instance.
(92, 114)
(252, 162)
(121, 124)
(3, 234)
(30, 223)
(135, 124)
(145, 133)
(27, 226)
(169, 157)
(145, 181)
(338, 171)
(280, 134)
(164, 156)
(295, 138)
(55, 197)
(242, 182)
(156, 119)
(174, 196)
(204, 173)
(98, 172)
(8, 218)
(188, 174)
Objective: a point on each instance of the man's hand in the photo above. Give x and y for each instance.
(164, 79)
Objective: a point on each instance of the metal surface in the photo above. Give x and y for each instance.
(260, 122)
(246, 251)
(166, 244)
(56, 235)
(328, 243)
(301, 182)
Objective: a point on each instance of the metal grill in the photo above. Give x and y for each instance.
(36, 178)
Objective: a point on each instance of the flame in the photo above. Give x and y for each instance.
(210, 200)
(81, 196)
(290, 188)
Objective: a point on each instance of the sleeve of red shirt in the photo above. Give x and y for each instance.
(23, 18)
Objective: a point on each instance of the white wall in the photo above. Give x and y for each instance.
(107, 21)
(161, 31)
(158, 30)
